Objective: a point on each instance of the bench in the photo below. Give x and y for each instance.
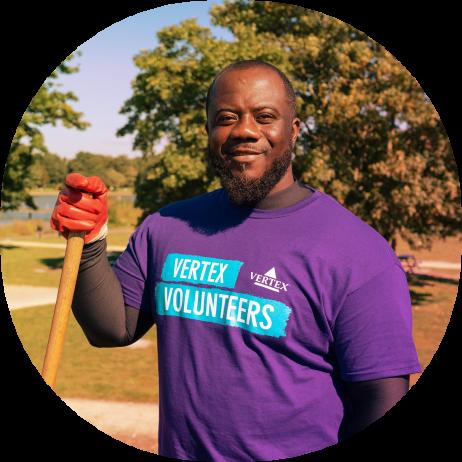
(409, 263)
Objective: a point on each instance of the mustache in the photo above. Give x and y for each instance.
(238, 149)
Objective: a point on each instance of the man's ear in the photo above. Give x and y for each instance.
(295, 130)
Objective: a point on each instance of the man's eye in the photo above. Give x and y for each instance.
(225, 118)
(265, 117)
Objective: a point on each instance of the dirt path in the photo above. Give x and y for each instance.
(132, 423)
(23, 296)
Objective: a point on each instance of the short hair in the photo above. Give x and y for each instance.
(248, 64)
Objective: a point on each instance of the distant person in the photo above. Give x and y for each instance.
(39, 230)
(283, 320)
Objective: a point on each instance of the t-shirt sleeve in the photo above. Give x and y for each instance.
(373, 329)
(132, 270)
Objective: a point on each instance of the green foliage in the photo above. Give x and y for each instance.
(115, 171)
(16, 178)
(23, 228)
(370, 136)
(48, 170)
(168, 103)
(48, 106)
(88, 164)
(122, 212)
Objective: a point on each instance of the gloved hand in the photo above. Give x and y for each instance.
(81, 206)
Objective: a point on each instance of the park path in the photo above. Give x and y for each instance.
(437, 264)
(135, 424)
(23, 296)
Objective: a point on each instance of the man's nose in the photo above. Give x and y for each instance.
(245, 127)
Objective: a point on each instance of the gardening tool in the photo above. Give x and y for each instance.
(62, 309)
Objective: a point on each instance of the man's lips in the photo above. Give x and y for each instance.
(244, 152)
(244, 155)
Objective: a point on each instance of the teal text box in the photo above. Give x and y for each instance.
(197, 269)
(255, 314)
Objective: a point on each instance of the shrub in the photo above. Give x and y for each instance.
(123, 213)
(24, 227)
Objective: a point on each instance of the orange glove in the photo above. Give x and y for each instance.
(81, 206)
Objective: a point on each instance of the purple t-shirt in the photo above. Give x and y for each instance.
(260, 315)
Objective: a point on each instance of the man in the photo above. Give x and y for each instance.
(283, 320)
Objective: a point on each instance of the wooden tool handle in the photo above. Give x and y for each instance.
(62, 307)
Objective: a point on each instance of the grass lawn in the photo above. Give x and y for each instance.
(31, 266)
(42, 266)
(433, 301)
(117, 235)
(34, 266)
(117, 374)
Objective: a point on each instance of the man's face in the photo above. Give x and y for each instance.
(251, 134)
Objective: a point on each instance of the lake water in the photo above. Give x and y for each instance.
(45, 204)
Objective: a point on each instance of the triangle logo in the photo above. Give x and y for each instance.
(269, 280)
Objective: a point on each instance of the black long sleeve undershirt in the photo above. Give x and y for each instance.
(98, 303)
(369, 400)
(99, 308)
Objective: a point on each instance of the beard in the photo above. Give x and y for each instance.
(249, 191)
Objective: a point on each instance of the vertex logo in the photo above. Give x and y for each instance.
(268, 280)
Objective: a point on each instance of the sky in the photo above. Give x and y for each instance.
(103, 82)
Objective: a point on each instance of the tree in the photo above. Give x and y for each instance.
(126, 167)
(168, 102)
(48, 106)
(38, 173)
(88, 164)
(56, 168)
(48, 170)
(114, 179)
(370, 136)
(17, 178)
(115, 171)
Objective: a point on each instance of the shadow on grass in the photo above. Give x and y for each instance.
(417, 298)
(53, 263)
(8, 246)
(420, 281)
(57, 263)
(426, 277)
